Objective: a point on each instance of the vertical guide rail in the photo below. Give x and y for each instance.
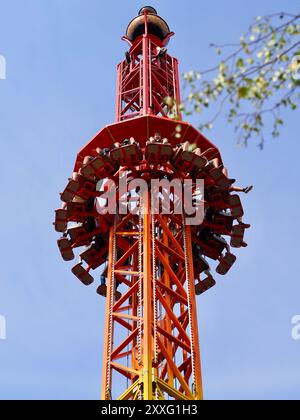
(147, 302)
(109, 325)
(140, 290)
(192, 311)
(140, 280)
(119, 93)
(154, 285)
(146, 68)
(176, 87)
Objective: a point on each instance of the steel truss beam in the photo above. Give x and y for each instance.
(151, 347)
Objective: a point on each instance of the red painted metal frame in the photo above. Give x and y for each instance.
(170, 370)
(145, 82)
(156, 262)
(155, 356)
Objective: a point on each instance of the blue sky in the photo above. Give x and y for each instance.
(60, 90)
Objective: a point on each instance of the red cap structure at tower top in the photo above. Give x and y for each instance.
(148, 87)
(151, 264)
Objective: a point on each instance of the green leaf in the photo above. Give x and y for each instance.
(240, 63)
(243, 92)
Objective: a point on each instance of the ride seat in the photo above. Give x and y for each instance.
(94, 257)
(237, 236)
(129, 155)
(102, 290)
(207, 250)
(205, 285)
(83, 275)
(87, 187)
(224, 220)
(79, 236)
(65, 248)
(235, 205)
(76, 212)
(158, 153)
(220, 179)
(200, 263)
(70, 191)
(227, 201)
(61, 220)
(226, 263)
(187, 160)
(217, 243)
(100, 167)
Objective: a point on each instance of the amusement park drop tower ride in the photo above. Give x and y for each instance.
(156, 261)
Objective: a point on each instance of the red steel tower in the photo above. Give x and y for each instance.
(151, 264)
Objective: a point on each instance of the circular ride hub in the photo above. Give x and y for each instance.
(151, 265)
